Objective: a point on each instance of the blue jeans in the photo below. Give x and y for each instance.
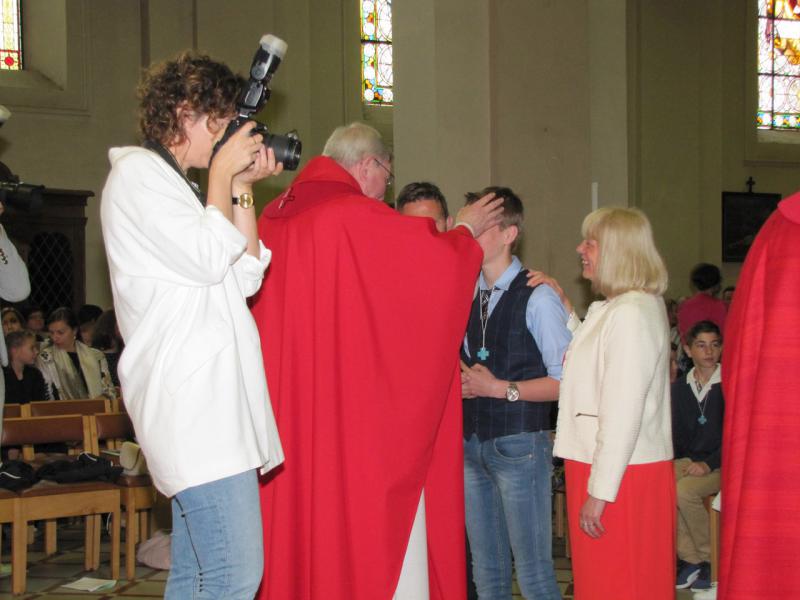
(508, 504)
(217, 541)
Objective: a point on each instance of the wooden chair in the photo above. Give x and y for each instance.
(9, 508)
(48, 501)
(51, 408)
(561, 525)
(713, 530)
(138, 496)
(12, 411)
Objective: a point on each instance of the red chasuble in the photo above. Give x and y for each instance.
(761, 437)
(361, 316)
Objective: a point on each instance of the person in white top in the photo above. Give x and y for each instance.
(192, 372)
(14, 287)
(614, 417)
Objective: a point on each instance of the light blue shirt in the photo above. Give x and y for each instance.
(545, 317)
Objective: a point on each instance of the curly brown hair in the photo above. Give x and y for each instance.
(207, 87)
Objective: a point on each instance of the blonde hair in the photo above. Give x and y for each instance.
(627, 255)
(349, 144)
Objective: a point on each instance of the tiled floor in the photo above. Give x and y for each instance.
(47, 575)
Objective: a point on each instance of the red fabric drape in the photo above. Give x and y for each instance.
(761, 438)
(361, 316)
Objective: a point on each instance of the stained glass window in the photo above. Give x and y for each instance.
(11, 47)
(778, 65)
(376, 52)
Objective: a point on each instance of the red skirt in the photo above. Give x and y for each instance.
(635, 558)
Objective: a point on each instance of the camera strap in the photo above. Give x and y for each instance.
(168, 158)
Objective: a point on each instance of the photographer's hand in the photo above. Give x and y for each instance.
(263, 166)
(245, 218)
(233, 157)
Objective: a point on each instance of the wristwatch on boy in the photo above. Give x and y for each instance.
(512, 392)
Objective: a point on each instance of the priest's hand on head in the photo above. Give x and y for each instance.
(482, 214)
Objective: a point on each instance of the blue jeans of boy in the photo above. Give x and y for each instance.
(217, 542)
(508, 506)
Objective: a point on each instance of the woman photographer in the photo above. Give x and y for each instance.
(191, 372)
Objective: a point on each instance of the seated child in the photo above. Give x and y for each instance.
(697, 412)
(24, 382)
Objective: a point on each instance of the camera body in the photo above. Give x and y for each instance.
(22, 196)
(254, 95)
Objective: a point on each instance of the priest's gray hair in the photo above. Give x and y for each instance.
(350, 144)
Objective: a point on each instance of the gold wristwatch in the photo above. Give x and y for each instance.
(245, 200)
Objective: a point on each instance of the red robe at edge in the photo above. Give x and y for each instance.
(760, 549)
(361, 316)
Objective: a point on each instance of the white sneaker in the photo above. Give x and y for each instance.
(709, 594)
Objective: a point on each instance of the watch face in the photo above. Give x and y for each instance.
(512, 393)
(246, 200)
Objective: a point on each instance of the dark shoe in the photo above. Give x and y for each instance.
(680, 564)
(703, 580)
(687, 576)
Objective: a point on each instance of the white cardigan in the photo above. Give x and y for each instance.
(192, 373)
(614, 403)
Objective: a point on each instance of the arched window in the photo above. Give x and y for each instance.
(778, 65)
(377, 79)
(11, 45)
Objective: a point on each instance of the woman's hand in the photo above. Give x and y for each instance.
(262, 167)
(538, 277)
(238, 153)
(590, 514)
(477, 380)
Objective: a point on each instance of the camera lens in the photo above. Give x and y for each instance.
(287, 149)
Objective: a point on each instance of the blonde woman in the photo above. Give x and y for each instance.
(614, 428)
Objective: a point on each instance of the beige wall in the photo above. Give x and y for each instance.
(60, 137)
(696, 135)
(650, 100)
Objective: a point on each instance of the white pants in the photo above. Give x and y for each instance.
(413, 583)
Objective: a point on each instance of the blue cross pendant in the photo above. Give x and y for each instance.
(483, 353)
(702, 419)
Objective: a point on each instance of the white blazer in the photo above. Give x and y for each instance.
(192, 373)
(614, 401)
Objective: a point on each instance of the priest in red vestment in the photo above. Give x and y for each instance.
(361, 316)
(760, 546)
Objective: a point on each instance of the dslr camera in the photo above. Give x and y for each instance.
(254, 95)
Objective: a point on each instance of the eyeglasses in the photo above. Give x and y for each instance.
(390, 178)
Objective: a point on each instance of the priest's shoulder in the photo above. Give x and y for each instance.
(790, 207)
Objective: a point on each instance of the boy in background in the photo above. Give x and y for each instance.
(24, 382)
(697, 414)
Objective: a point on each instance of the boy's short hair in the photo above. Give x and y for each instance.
(15, 339)
(705, 276)
(421, 190)
(702, 327)
(513, 212)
